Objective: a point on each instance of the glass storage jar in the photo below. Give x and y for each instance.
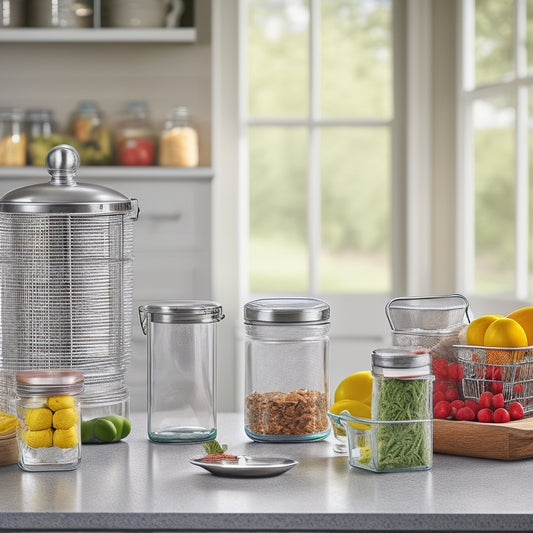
(134, 137)
(178, 145)
(40, 127)
(287, 374)
(90, 129)
(182, 342)
(48, 412)
(13, 139)
(402, 409)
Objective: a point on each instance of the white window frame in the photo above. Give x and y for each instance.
(467, 94)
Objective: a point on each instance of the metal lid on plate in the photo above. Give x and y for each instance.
(180, 311)
(63, 194)
(47, 382)
(286, 311)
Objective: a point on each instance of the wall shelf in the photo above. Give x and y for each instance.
(112, 172)
(97, 35)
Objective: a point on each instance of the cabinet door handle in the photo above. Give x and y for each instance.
(168, 217)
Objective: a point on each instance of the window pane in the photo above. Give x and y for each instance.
(278, 58)
(355, 170)
(278, 248)
(356, 60)
(530, 140)
(529, 37)
(494, 40)
(494, 195)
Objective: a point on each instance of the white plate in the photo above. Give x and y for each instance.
(247, 466)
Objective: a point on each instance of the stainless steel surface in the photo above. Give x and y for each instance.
(286, 311)
(247, 466)
(58, 381)
(66, 282)
(402, 358)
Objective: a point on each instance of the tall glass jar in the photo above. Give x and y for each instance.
(48, 412)
(402, 409)
(134, 138)
(13, 139)
(287, 369)
(182, 342)
(178, 145)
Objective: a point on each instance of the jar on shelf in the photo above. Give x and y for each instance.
(93, 135)
(135, 140)
(60, 13)
(286, 375)
(48, 412)
(40, 128)
(13, 139)
(178, 144)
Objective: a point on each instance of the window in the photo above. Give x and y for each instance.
(496, 173)
(319, 131)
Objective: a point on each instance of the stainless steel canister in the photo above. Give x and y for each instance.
(182, 344)
(66, 284)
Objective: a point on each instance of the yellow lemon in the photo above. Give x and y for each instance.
(60, 402)
(475, 332)
(38, 439)
(7, 423)
(504, 333)
(524, 316)
(355, 408)
(66, 438)
(38, 418)
(357, 386)
(65, 418)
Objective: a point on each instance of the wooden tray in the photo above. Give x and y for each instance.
(510, 441)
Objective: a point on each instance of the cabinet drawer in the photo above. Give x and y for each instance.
(173, 216)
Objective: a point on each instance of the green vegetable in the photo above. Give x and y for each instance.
(110, 428)
(212, 446)
(405, 445)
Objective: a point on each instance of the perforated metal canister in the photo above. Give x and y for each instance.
(66, 262)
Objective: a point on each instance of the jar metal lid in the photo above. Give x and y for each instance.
(63, 195)
(287, 311)
(412, 358)
(50, 382)
(175, 312)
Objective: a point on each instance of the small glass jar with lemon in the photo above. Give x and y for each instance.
(48, 412)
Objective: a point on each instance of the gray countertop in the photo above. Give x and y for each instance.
(140, 485)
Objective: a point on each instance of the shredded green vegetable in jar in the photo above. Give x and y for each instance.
(406, 445)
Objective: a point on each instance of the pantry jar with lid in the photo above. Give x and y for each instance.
(134, 137)
(178, 145)
(40, 127)
(286, 369)
(402, 409)
(182, 349)
(13, 139)
(48, 412)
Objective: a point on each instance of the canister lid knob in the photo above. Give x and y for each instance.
(62, 161)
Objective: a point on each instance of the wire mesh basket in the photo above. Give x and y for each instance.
(505, 370)
(66, 282)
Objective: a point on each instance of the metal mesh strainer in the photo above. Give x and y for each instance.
(66, 281)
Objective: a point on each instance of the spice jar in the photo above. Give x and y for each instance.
(402, 411)
(90, 129)
(178, 145)
(286, 376)
(40, 127)
(182, 346)
(48, 412)
(135, 139)
(13, 140)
